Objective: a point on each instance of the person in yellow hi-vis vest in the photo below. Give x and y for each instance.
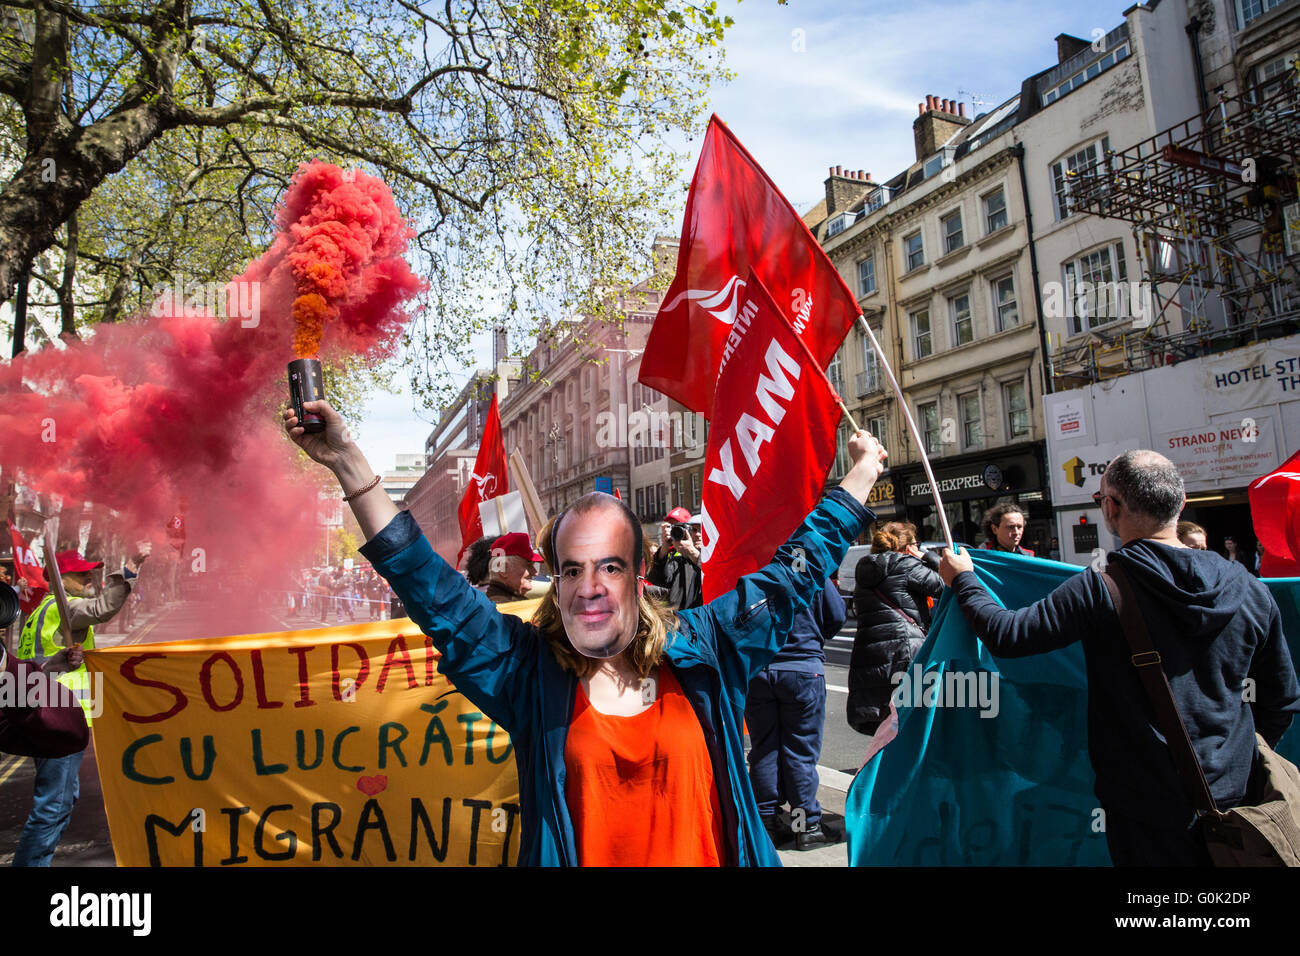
(58, 778)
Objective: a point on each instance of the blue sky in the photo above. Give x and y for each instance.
(821, 84)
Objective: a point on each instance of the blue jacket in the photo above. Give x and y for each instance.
(805, 649)
(505, 667)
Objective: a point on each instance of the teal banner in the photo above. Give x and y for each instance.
(990, 765)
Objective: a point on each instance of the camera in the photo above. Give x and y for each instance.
(678, 532)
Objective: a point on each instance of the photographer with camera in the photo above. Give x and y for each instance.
(676, 567)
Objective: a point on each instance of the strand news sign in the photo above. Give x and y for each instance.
(1224, 420)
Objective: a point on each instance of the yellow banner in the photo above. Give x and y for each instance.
(331, 747)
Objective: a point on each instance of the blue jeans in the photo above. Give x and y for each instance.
(785, 712)
(57, 789)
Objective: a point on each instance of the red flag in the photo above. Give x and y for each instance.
(28, 576)
(488, 479)
(770, 445)
(618, 494)
(1275, 510)
(736, 219)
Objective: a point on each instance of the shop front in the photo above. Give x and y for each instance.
(972, 484)
(1223, 420)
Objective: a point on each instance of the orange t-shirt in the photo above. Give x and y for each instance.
(640, 789)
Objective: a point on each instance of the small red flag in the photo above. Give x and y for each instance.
(488, 479)
(771, 444)
(1275, 511)
(618, 494)
(737, 220)
(28, 576)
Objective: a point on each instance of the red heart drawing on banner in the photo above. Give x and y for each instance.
(373, 785)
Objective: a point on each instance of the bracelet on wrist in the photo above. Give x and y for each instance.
(361, 491)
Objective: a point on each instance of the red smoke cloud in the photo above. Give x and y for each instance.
(184, 404)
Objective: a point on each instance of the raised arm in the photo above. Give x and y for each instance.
(752, 621)
(483, 651)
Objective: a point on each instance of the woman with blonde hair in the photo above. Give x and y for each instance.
(891, 585)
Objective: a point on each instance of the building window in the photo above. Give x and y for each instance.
(1096, 288)
(640, 503)
(842, 460)
(921, 344)
(1248, 11)
(913, 252)
(995, 211)
(1095, 68)
(1017, 409)
(929, 415)
(1275, 71)
(867, 276)
(876, 426)
(950, 226)
(695, 490)
(662, 494)
(963, 330)
(1071, 167)
(833, 373)
(869, 378)
(972, 419)
(1004, 303)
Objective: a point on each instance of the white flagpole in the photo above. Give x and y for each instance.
(911, 427)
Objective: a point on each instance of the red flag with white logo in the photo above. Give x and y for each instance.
(736, 219)
(771, 443)
(487, 480)
(28, 576)
(1275, 511)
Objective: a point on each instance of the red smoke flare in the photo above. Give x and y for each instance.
(181, 403)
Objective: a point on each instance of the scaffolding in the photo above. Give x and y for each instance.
(1213, 203)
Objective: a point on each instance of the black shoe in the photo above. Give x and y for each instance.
(775, 832)
(811, 839)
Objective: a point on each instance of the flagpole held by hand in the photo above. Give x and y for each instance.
(912, 430)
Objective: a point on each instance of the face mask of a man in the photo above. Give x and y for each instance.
(597, 585)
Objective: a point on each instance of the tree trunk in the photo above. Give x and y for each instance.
(67, 300)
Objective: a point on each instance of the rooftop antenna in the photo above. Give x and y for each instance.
(977, 99)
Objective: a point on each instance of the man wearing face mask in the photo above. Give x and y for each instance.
(625, 716)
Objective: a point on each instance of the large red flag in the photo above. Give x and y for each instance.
(489, 478)
(771, 443)
(736, 219)
(1275, 510)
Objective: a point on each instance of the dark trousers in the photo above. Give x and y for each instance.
(786, 712)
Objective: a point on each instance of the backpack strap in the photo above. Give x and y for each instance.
(1147, 661)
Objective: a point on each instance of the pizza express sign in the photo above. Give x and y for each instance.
(978, 480)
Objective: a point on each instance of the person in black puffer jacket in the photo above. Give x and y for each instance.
(889, 598)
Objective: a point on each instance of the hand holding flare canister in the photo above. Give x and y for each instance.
(306, 384)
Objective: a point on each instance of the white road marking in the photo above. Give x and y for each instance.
(837, 688)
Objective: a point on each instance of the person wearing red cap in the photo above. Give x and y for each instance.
(676, 567)
(510, 573)
(57, 778)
